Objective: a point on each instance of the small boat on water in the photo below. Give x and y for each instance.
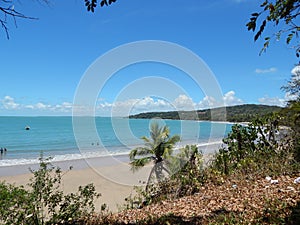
(27, 127)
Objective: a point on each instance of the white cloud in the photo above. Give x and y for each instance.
(64, 107)
(296, 75)
(123, 108)
(184, 102)
(134, 106)
(147, 104)
(208, 102)
(296, 70)
(269, 70)
(9, 103)
(290, 97)
(41, 105)
(230, 99)
(29, 106)
(272, 101)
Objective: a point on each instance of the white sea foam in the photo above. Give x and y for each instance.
(211, 146)
(58, 158)
(24, 147)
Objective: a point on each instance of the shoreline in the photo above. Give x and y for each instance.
(111, 175)
(76, 164)
(82, 162)
(109, 181)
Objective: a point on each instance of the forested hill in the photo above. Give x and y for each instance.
(239, 113)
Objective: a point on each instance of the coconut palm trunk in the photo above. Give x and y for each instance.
(157, 149)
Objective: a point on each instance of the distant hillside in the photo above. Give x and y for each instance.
(239, 113)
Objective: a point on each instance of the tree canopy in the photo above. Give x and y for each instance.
(283, 15)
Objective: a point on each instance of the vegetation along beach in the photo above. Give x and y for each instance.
(149, 112)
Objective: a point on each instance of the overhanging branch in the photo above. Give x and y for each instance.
(7, 12)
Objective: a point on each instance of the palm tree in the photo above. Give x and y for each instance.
(158, 148)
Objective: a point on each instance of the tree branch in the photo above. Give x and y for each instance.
(12, 12)
(8, 11)
(3, 25)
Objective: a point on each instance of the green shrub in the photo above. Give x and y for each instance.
(187, 176)
(15, 207)
(44, 202)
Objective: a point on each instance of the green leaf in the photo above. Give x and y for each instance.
(261, 29)
(289, 38)
(251, 25)
(264, 4)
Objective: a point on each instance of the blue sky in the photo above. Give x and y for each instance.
(44, 60)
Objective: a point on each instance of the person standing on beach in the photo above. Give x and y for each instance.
(1, 153)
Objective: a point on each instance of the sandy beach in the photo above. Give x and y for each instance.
(114, 179)
(111, 176)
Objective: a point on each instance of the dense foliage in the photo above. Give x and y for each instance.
(231, 188)
(44, 201)
(279, 13)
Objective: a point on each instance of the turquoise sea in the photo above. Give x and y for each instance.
(54, 136)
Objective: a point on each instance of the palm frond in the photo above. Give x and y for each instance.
(168, 150)
(174, 139)
(148, 143)
(166, 131)
(139, 151)
(158, 146)
(137, 164)
(145, 139)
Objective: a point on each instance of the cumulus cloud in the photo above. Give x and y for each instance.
(184, 102)
(296, 75)
(229, 99)
(29, 106)
(290, 97)
(269, 70)
(133, 106)
(9, 103)
(296, 71)
(124, 107)
(41, 105)
(208, 102)
(272, 101)
(64, 107)
(146, 104)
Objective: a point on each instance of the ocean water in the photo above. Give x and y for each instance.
(54, 136)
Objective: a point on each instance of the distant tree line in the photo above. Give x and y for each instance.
(240, 113)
